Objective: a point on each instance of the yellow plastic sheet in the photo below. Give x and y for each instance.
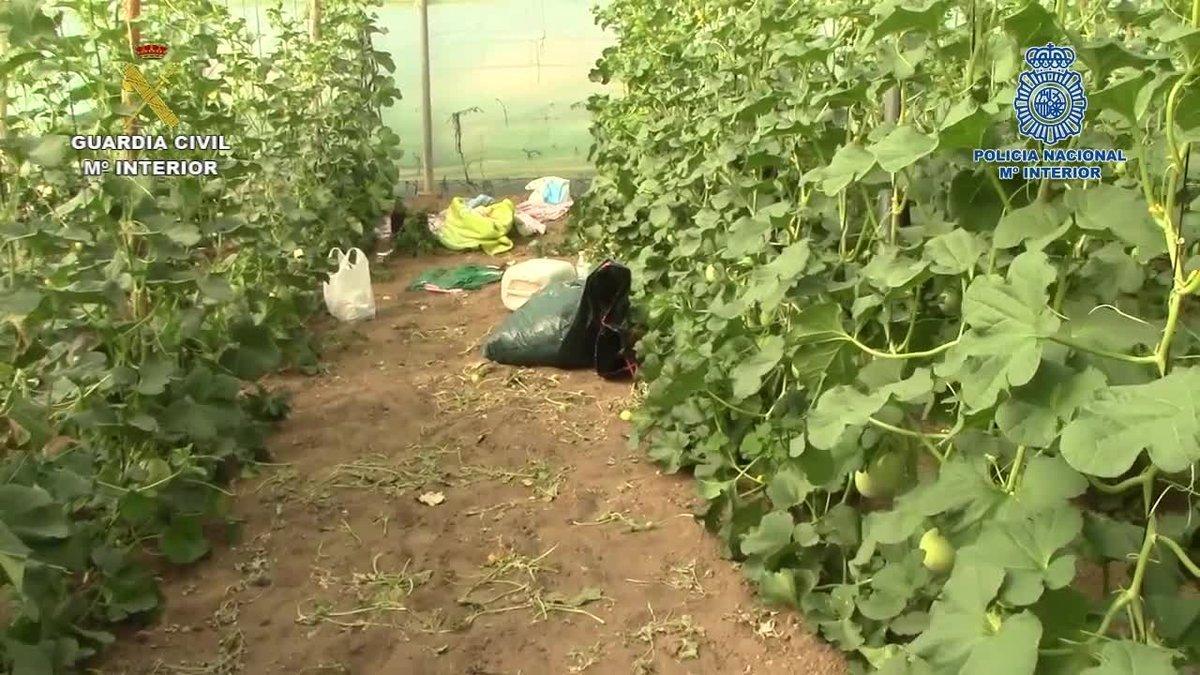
(485, 227)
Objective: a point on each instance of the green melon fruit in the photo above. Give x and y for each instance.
(625, 415)
(939, 553)
(710, 274)
(883, 477)
(157, 470)
(865, 484)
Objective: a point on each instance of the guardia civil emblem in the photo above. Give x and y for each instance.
(1050, 102)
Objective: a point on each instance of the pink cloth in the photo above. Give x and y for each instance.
(545, 212)
(533, 216)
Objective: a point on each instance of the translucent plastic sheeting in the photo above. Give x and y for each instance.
(509, 80)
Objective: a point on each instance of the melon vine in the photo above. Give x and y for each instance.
(831, 283)
(137, 315)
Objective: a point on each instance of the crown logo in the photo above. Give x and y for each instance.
(1050, 57)
(153, 50)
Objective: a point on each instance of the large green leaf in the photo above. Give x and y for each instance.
(844, 407)
(1123, 212)
(50, 151)
(773, 533)
(13, 554)
(17, 303)
(1012, 650)
(184, 542)
(1032, 25)
(954, 252)
(1008, 320)
(902, 147)
(1105, 56)
(1034, 412)
(1028, 550)
(890, 269)
(1046, 482)
(961, 636)
(965, 126)
(32, 512)
(1126, 657)
(747, 376)
(252, 352)
(1119, 97)
(898, 17)
(154, 375)
(1038, 223)
(769, 283)
(891, 588)
(1161, 417)
(197, 421)
(961, 485)
(850, 163)
(788, 487)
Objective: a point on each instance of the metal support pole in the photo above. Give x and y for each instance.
(426, 106)
(314, 20)
(3, 89)
(891, 113)
(133, 11)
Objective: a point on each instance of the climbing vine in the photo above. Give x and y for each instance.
(951, 417)
(137, 315)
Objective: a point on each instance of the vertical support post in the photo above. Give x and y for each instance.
(3, 115)
(891, 113)
(314, 20)
(3, 89)
(426, 105)
(133, 10)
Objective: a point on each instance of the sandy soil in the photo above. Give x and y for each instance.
(547, 545)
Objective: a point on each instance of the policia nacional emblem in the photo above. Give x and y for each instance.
(1050, 102)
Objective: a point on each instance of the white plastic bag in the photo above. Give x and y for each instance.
(348, 295)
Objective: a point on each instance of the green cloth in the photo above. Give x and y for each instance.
(470, 277)
(483, 227)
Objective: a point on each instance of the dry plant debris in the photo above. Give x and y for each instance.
(510, 582)
(231, 647)
(684, 636)
(631, 524)
(378, 596)
(685, 578)
(579, 660)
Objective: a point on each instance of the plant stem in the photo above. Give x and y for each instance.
(1164, 345)
(923, 437)
(1124, 485)
(898, 355)
(1184, 559)
(1129, 358)
(1133, 593)
(995, 181)
(1011, 483)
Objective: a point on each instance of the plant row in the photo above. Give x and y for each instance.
(138, 314)
(949, 416)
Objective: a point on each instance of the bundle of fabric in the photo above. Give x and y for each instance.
(455, 280)
(549, 199)
(486, 227)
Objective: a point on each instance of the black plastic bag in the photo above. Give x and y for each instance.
(571, 325)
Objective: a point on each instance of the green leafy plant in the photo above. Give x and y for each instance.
(825, 285)
(137, 314)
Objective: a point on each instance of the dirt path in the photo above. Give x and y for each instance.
(556, 548)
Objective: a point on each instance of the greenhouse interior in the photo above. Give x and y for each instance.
(607, 336)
